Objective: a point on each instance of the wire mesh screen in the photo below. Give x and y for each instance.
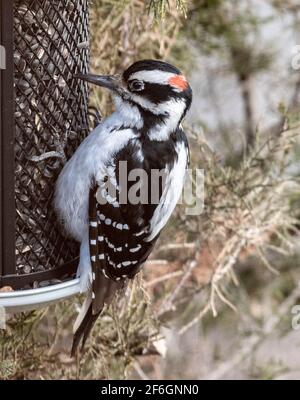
(51, 119)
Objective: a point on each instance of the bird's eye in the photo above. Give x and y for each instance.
(136, 86)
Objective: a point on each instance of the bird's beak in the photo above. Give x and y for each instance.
(107, 81)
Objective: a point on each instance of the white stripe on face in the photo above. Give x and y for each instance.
(173, 110)
(171, 107)
(153, 76)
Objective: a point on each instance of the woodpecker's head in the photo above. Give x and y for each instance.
(157, 89)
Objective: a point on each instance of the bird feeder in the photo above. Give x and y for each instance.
(43, 118)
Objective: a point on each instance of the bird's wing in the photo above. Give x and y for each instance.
(116, 253)
(117, 245)
(123, 235)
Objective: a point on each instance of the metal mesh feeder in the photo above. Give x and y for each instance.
(43, 118)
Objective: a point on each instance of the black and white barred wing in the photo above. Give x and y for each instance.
(103, 288)
(117, 249)
(122, 236)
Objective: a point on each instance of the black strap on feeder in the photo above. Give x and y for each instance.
(20, 281)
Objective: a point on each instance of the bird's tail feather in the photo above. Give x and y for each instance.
(84, 329)
(92, 308)
(83, 310)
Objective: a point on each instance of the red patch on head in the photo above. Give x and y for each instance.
(179, 82)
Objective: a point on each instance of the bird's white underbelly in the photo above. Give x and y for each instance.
(77, 177)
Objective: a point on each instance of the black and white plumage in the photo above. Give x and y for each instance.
(117, 236)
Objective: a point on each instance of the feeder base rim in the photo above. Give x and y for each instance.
(27, 300)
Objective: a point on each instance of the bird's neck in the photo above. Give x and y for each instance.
(157, 125)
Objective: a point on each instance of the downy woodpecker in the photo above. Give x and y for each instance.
(151, 98)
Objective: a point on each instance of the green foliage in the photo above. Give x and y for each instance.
(231, 29)
(161, 7)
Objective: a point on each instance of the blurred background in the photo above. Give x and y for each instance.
(215, 300)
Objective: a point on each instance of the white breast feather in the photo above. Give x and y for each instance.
(75, 180)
